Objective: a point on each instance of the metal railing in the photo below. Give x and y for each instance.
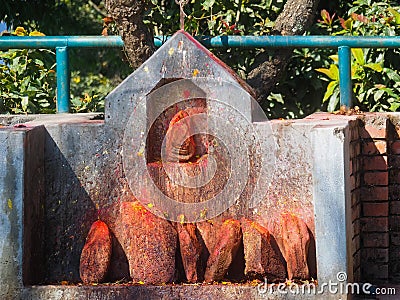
(62, 43)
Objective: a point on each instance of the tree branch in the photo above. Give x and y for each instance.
(295, 18)
(137, 37)
(96, 8)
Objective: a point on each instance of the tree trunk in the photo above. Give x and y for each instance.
(295, 18)
(138, 40)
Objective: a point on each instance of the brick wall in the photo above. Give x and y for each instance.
(374, 154)
(355, 186)
(373, 197)
(394, 197)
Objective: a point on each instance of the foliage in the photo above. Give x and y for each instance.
(310, 82)
(300, 91)
(88, 92)
(210, 17)
(27, 80)
(55, 17)
(375, 73)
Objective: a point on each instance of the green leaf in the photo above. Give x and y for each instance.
(357, 72)
(390, 92)
(211, 24)
(39, 62)
(358, 55)
(378, 95)
(332, 72)
(24, 103)
(276, 97)
(348, 24)
(330, 89)
(392, 74)
(207, 4)
(374, 66)
(335, 71)
(333, 102)
(335, 58)
(396, 15)
(394, 106)
(341, 32)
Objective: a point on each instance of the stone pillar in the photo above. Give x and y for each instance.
(332, 203)
(21, 177)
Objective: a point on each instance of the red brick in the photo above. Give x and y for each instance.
(395, 147)
(372, 224)
(375, 254)
(355, 135)
(355, 149)
(374, 271)
(356, 226)
(394, 161)
(394, 176)
(374, 163)
(375, 132)
(376, 178)
(355, 165)
(395, 207)
(351, 167)
(394, 191)
(376, 209)
(355, 243)
(394, 223)
(357, 273)
(374, 147)
(375, 240)
(355, 212)
(374, 193)
(355, 197)
(395, 238)
(396, 131)
(357, 178)
(357, 259)
(353, 182)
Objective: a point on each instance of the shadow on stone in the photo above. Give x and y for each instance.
(69, 213)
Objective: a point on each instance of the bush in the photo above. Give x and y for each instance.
(88, 92)
(375, 74)
(309, 83)
(28, 83)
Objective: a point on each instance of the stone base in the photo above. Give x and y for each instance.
(182, 292)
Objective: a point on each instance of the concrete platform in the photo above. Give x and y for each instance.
(170, 292)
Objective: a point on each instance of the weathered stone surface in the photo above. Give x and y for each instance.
(148, 241)
(96, 254)
(208, 231)
(222, 249)
(191, 249)
(261, 253)
(119, 266)
(295, 244)
(180, 146)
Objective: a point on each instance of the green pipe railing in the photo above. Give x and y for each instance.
(62, 43)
